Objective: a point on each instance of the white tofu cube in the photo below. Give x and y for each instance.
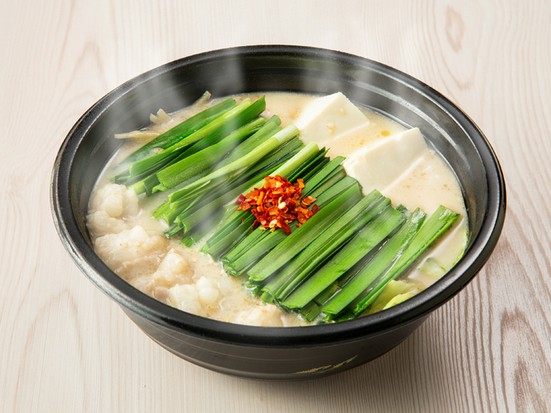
(378, 165)
(327, 117)
(351, 140)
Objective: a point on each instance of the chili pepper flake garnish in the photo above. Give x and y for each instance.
(278, 203)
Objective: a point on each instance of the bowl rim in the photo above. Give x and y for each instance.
(149, 308)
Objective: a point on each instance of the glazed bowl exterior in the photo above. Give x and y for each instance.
(283, 352)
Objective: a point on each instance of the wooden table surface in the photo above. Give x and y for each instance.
(66, 347)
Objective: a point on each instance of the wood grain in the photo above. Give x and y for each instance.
(64, 346)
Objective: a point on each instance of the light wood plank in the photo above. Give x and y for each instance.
(64, 346)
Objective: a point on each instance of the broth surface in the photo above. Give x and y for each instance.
(131, 241)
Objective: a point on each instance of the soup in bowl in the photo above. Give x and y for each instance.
(204, 301)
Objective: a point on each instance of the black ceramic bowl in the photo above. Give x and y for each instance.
(288, 352)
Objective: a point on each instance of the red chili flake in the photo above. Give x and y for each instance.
(278, 203)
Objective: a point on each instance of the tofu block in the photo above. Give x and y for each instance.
(327, 117)
(351, 140)
(378, 165)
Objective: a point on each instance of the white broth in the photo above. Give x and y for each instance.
(132, 243)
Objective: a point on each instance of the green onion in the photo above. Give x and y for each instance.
(365, 241)
(213, 131)
(270, 128)
(238, 224)
(293, 164)
(385, 258)
(323, 174)
(299, 239)
(318, 173)
(439, 222)
(180, 131)
(310, 311)
(327, 241)
(260, 241)
(205, 160)
(196, 214)
(232, 169)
